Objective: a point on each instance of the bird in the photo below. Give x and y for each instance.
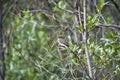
(62, 42)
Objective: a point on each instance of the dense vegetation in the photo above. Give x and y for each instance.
(31, 29)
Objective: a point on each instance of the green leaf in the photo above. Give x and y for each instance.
(101, 4)
(61, 4)
(80, 28)
(74, 47)
(92, 21)
(74, 62)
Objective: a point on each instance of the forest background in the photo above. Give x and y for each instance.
(29, 31)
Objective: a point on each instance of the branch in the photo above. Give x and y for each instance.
(112, 26)
(116, 5)
(85, 40)
(82, 64)
(8, 10)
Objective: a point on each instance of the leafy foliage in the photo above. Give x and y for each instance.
(35, 55)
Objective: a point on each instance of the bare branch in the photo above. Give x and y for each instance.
(85, 41)
(116, 5)
(109, 26)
